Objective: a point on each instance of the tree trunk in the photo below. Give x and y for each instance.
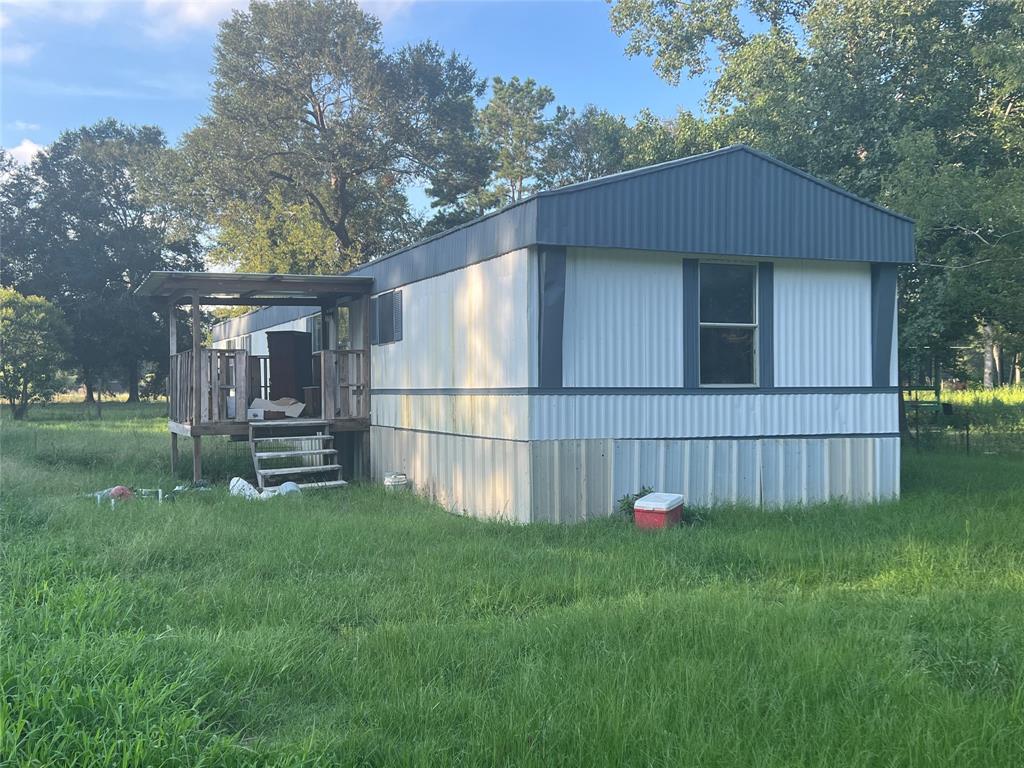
(1017, 360)
(988, 374)
(998, 363)
(90, 394)
(133, 381)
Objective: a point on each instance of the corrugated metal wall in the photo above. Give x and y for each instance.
(467, 475)
(502, 416)
(623, 319)
(822, 324)
(465, 329)
(555, 417)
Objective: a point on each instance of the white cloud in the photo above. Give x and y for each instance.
(5, 20)
(25, 151)
(17, 53)
(169, 17)
(385, 10)
(21, 125)
(73, 11)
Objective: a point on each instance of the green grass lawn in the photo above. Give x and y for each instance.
(358, 628)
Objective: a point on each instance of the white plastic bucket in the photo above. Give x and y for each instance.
(395, 481)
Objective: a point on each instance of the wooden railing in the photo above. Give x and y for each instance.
(224, 394)
(344, 381)
(180, 383)
(231, 378)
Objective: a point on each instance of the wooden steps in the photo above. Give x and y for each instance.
(292, 454)
(303, 461)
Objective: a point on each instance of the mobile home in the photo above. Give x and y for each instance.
(721, 326)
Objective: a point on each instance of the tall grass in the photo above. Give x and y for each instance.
(1005, 395)
(362, 628)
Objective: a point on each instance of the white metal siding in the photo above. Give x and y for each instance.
(466, 328)
(623, 319)
(467, 475)
(556, 417)
(822, 324)
(503, 416)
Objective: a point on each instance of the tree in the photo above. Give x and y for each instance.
(34, 338)
(90, 226)
(307, 102)
(585, 146)
(515, 126)
(277, 237)
(919, 105)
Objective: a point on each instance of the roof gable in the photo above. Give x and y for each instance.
(735, 201)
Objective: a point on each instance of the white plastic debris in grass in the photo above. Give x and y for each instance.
(240, 487)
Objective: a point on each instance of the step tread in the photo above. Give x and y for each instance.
(275, 423)
(282, 438)
(298, 470)
(290, 454)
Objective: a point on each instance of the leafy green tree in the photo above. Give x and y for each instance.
(90, 226)
(585, 146)
(515, 126)
(33, 343)
(307, 101)
(277, 237)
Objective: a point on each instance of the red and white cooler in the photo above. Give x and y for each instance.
(658, 510)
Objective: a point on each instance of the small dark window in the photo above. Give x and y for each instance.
(386, 316)
(728, 323)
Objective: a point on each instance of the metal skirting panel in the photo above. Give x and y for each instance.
(623, 319)
(467, 475)
(638, 416)
(772, 473)
(822, 319)
(571, 480)
(466, 328)
(500, 416)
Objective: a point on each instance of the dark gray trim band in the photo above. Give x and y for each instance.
(691, 323)
(883, 305)
(551, 260)
(820, 436)
(639, 391)
(766, 324)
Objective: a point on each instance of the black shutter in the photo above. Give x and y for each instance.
(397, 316)
(374, 325)
(386, 317)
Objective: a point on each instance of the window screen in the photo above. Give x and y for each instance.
(728, 323)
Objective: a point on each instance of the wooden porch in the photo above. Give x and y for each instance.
(209, 390)
(229, 379)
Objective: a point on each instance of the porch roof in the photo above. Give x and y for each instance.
(253, 288)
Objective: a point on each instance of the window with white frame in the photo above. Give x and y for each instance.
(728, 324)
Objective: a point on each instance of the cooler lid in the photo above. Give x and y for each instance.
(659, 502)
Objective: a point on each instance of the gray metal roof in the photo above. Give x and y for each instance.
(734, 202)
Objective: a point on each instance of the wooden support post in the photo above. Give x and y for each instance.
(197, 363)
(174, 453)
(172, 328)
(197, 458)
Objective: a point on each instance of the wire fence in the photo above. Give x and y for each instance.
(987, 428)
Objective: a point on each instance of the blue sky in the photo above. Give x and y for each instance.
(67, 63)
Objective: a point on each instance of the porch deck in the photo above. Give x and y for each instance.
(209, 390)
(341, 396)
